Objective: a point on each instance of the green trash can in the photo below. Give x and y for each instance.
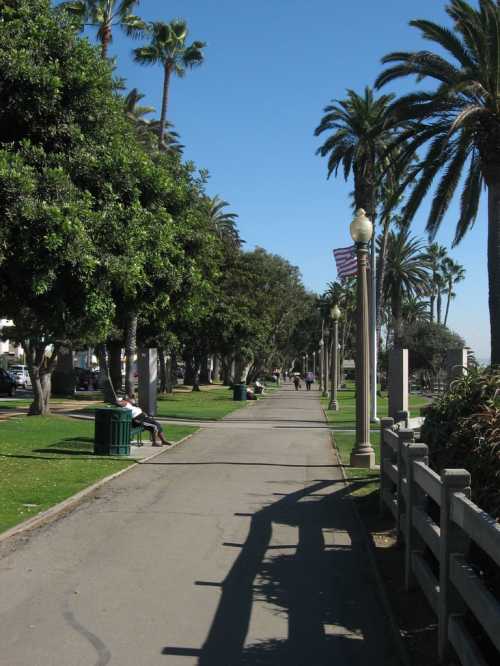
(239, 392)
(112, 431)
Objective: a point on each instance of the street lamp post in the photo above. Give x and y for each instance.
(314, 364)
(362, 454)
(325, 365)
(321, 361)
(307, 362)
(303, 364)
(335, 315)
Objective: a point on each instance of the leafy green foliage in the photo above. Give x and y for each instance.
(462, 429)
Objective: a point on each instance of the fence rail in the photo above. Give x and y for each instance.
(436, 521)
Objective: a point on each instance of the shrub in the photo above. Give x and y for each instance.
(462, 429)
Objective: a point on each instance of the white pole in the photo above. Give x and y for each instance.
(373, 335)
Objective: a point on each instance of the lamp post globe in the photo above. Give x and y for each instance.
(362, 455)
(361, 227)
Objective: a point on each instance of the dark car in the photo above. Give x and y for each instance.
(85, 379)
(7, 383)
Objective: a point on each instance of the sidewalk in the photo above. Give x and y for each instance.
(239, 547)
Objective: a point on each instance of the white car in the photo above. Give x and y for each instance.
(21, 375)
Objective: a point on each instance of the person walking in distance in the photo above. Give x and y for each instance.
(296, 382)
(309, 380)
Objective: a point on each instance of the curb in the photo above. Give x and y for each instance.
(69, 504)
(380, 585)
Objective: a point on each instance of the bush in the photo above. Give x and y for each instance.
(462, 429)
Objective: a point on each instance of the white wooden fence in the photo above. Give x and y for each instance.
(406, 484)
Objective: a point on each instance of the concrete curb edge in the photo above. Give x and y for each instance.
(370, 550)
(72, 502)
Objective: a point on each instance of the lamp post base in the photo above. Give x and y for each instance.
(334, 406)
(375, 419)
(363, 456)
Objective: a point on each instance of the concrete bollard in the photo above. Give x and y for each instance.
(398, 381)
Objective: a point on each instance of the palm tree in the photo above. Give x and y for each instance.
(460, 122)
(147, 129)
(436, 254)
(406, 274)
(414, 310)
(223, 223)
(453, 273)
(362, 133)
(168, 47)
(105, 15)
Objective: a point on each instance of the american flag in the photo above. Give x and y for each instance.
(346, 261)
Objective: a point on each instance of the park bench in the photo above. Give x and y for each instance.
(136, 431)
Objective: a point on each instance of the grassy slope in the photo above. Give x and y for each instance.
(345, 417)
(45, 460)
(344, 441)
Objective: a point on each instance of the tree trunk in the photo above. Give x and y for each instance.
(40, 369)
(108, 391)
(439, 306)
(205, 370)
(431, 307)
(105, 40)
(494, 267)
(380, 277)
(163, 369)
(130, 350)
(396, 315)
(227, 365)
(216, 370)
(172, 369)
(164, 106)
(447, 307)
(115, 364)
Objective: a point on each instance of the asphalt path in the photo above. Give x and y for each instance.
(238, 547)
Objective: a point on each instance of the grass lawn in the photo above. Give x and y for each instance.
(345, 417)
(45, 460)
(209, 405)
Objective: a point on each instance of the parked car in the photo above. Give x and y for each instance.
(7, 383)
(85, 379)
(21, 375)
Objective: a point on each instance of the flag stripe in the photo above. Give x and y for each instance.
(346, 261)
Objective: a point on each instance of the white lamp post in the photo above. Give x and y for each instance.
(335, 316)
(362, 454)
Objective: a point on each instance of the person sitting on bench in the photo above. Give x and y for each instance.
(140, 418)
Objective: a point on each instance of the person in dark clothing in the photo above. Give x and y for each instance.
(140, 418)
(296, 382)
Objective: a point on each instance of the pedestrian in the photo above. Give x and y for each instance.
(296, 382)
(140, 418)
(309, 380)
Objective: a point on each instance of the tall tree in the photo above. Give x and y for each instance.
(453, 274)
(223, 222)
(406, 274)
(459, 120)
(105, 15)
(436, 254)
(168, 48)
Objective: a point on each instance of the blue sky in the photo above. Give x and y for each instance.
(248, 116)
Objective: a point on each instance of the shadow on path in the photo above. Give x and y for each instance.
(324, 590)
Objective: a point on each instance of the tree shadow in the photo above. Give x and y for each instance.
(324, 590)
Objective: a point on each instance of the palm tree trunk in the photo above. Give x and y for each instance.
(105, 41)
(380, 277)
(447, 306)
(431, 307)
(164, 105)
(494, 267)
(438, 306)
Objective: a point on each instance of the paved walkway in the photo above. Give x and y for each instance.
(238, 547)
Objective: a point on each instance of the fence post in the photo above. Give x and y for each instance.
(452, 540)
(415, 497)
(385, 454)
(405, 436)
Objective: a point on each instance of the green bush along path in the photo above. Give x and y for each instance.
(45, 460)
